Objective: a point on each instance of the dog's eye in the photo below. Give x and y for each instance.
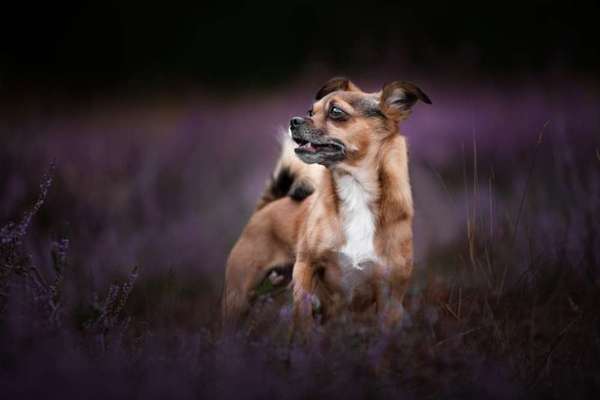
(310, 112)
(336, 113)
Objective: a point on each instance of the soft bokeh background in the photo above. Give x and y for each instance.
(163, 122)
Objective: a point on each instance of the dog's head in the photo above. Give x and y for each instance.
(345, 123)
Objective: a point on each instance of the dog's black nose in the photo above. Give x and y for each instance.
(296, 121)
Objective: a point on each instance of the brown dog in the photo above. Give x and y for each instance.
(351, 241)
(354, 248)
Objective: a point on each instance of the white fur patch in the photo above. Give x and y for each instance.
(358, 223)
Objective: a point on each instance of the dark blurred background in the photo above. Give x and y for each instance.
(163, 120)
(78, 48)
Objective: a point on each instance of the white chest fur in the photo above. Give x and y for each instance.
(358, 223)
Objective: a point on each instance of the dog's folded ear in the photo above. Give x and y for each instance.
(335, 84)
(397, 99)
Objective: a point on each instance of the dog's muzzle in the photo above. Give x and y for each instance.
(314, 146)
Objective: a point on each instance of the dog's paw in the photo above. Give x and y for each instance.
(276, 278)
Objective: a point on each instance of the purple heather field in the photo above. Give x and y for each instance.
(112, 290)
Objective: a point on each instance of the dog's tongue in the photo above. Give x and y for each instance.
(308, 147)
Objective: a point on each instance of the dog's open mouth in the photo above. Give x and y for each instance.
(324, 151)
(331, 146)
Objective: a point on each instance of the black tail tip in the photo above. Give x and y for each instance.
(285, 183)
(281, 184)
(300, 190)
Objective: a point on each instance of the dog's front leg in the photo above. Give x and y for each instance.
(393, 282)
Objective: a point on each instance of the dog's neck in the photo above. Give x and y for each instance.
(357, 191)
(359, 183)
(356, 181)
(363, 172)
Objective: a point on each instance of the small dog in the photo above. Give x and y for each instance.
(350, 242)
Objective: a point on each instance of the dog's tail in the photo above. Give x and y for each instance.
(291, 177)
